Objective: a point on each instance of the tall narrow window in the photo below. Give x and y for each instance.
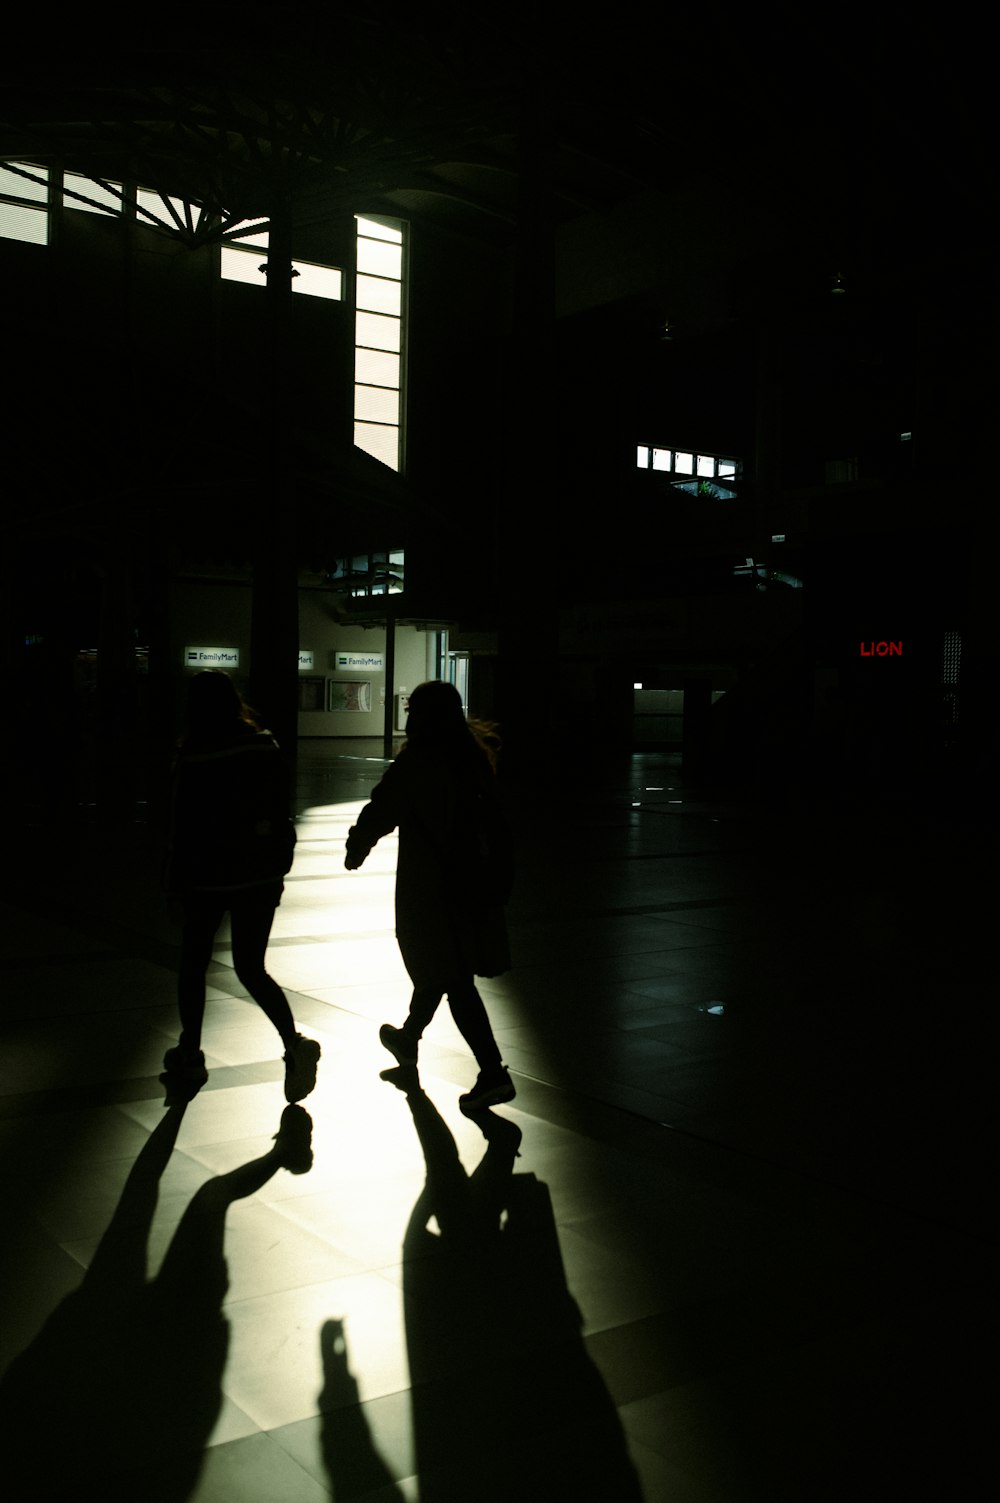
(378, 339)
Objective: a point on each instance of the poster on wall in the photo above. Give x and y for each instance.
(351, 695)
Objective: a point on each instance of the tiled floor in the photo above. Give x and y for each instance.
(744, 1252)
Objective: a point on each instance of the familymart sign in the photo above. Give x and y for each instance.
(212, 657)
(229, 657)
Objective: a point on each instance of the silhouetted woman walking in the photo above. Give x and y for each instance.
(231, 843)
(452, 878)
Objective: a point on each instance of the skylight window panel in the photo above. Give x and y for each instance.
(103, 200)
(152, 203)
(28, 219)
(376, 368)
(376, 231)
(175, 212)
(377, 295)
(21, 222)
(662, 459)
(705, 464)
(376, 404)
(377, 332)
(16, 186)
(318, 281)
(237, 266)
(380, 259)
(684, 463)
(379, 441)
(642, 457)
(257, 238)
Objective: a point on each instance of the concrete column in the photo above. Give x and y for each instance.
(697, 729)
(526, 510)
(274, 622)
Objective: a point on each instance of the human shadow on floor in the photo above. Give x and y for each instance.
(506, 1400)
(353, 1461)
(117, 1396)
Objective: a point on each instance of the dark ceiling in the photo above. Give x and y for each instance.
(863, 126)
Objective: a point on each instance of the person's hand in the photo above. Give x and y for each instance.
(352, 861)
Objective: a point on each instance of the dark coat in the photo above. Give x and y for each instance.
(230, 827)
(452, 873)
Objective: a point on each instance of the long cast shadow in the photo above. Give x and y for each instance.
(506, 1400)
(118, 1394)
(353, 1461)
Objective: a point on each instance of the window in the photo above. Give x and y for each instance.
(92, 195)
(369, 573)
(699, 474)
(159, 208)
(24, 200)
(378, 320)
(314, 280)
(379, 288)
(244, 258)
(378, 339)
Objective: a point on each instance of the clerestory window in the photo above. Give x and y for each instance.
(24, 202)
(379, 340)
(696, 474)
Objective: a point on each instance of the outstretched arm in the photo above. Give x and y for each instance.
(379, 816)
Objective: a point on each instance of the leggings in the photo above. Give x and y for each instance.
(468, 1011)
(251, 914)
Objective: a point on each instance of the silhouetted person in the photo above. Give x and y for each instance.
(118, 1395)
(452, 878)
(231, 844)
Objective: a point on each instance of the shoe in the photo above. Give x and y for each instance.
(491, 1088)
(501, 1133)
(403, 1077)
(293, 1140)
(398, 1043)
(186, 1065)
(300, 1067)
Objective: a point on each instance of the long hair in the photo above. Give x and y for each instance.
(216, 711)
(436, 719)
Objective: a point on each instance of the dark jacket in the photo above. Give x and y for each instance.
(230, 825)
(453, 871)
